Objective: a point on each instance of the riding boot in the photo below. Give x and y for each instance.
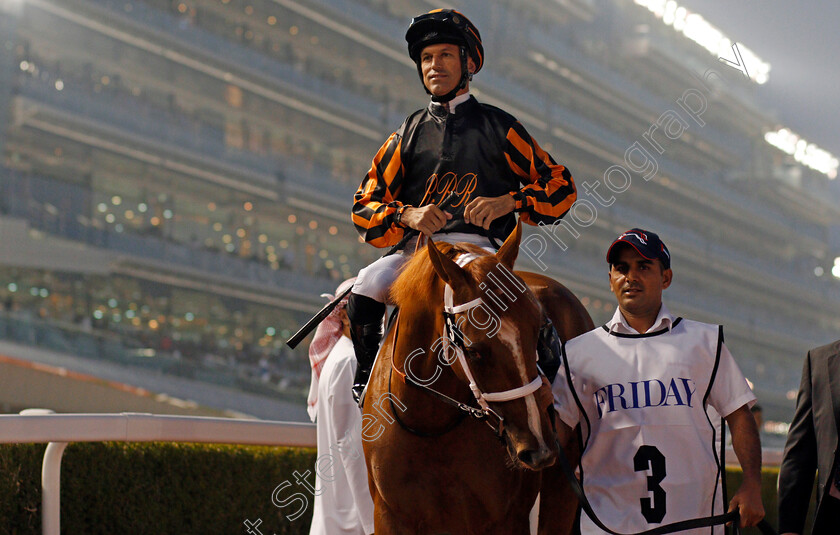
(548, 351)
(365, 315)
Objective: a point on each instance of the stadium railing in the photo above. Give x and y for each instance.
(58, 430)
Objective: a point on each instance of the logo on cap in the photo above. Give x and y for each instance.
(639, 236)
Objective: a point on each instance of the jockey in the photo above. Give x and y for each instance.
(455, 144)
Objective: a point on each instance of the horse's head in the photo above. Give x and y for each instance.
(495, 320)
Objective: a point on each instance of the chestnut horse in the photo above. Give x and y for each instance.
(432, 467)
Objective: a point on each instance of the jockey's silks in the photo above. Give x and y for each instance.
(477, 151)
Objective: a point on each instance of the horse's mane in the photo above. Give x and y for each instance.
(418, 276)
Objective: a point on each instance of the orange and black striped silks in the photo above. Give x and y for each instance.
(479, 151)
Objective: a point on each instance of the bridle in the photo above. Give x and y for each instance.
(453, 335)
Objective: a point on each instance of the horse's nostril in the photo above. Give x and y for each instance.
(537, 459)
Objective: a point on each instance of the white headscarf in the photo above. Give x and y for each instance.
(326, 336)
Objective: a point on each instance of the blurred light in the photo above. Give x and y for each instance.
(116, 200)
(167, 214)
(230, 248)
(182, 8)
(155, 221)
(263, 238)
(98, 314)
(272, 20)
(333, 230)
(142, 207)
(342, 258)
(110, 218)
(294, 30)
(153, 324)
(292, 218)
(696, 28)
(299, 231)
(313, 224)
(217, 226)
(240, 232)
(271, 331)
(189, 316)
(12, 287)
(112, 303)
(24, 65)
(44, 292)
(819, 271)
(119, 227)
(283, 244)
(248, 206)
(211, 206)
(102, 207)
(836, 269)
(269, 249)
(803, 152)
(329, 264)
(323, 253)
(129, 214)
(227, 238)
(59, 85)
(130, 314)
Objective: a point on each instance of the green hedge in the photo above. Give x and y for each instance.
(178, 489)
(155, 489)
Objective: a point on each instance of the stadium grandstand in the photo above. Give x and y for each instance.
(177, 175)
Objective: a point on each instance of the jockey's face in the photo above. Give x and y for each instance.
(441, 67)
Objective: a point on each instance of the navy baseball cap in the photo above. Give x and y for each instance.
(645, 243)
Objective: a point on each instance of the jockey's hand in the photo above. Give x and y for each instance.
(748, 502)
(428, 219)
(482, 211)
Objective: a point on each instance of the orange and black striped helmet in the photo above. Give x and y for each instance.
(444, 26)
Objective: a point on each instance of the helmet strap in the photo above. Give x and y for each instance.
(465, 77)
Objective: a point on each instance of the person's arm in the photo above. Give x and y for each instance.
(375, 206)
(548, 191)
(747, 446)
(799, 463)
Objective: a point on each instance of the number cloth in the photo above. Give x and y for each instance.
(648, 445)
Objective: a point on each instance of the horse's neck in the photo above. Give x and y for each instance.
(419, 344)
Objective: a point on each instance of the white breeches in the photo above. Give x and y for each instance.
(375, 280)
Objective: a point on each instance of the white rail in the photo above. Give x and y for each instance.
(61, 429)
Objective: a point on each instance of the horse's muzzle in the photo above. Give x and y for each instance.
(537, 459)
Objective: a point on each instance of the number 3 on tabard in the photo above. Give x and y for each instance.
(650, 458)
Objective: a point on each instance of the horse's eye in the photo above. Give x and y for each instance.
(472, 354)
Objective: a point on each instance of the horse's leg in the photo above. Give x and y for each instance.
(558, 503)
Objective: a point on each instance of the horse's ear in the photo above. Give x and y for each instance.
(509, 250)
(445, 267)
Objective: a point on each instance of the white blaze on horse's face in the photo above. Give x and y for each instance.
(509, 335)
(502, 361)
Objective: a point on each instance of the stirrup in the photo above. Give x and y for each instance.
(360, 382)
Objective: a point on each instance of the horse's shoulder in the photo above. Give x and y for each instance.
(567, 313)
(544, 286)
